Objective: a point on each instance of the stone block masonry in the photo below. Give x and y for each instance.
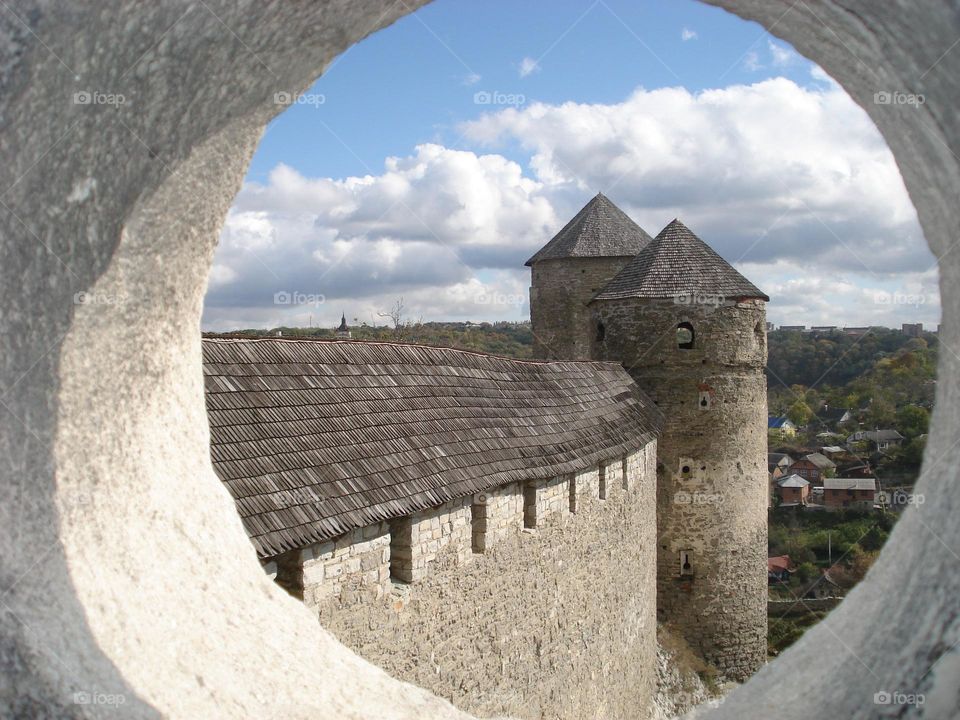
(611, 476)
(496, 514)
(712, 486)
(559, 295)
(558, 623)
(584, 489)
(415, 541)
(546, 499)
(351, 569)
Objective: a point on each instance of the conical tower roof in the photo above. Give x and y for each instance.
(343, 323)
(677, 262)
(600, 229)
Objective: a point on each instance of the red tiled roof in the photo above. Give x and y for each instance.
(779, 563)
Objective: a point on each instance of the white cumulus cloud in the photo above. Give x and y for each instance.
(792, 184)
(528, 66)
(781, 56)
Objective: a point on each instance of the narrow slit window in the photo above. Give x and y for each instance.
(686, 566)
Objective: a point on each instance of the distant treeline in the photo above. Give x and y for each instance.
(512, 339)
(833, 358)
(795, 358)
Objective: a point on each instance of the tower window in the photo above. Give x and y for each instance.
(685, 336)
(601, 332)
(686, 567)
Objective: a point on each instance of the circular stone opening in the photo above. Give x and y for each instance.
(103, 630)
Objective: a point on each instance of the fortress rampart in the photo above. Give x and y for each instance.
(514, 629)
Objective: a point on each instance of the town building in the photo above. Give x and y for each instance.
(782, 426)
(849, 493)
(793, 490)
(813, 467)
(779, 569)
(878, 439)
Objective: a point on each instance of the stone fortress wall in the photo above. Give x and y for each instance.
(506, 601)
(711, 487)
(559, 293)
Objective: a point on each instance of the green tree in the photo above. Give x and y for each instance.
(799, 413)
(880, 414)
(806, 572)
(913, 420)
(913, 452)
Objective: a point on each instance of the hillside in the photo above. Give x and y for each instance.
(501, 338)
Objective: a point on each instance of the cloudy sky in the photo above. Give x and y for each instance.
(432, 159)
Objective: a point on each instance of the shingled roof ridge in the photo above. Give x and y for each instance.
(338, 442)
(599, 229)
(399, 344)
(678, 262)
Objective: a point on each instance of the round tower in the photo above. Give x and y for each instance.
(573, 267)
(692, 332)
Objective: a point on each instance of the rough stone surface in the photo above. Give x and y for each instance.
(911, 591)
(496, 514)
(352, 569)
(416, 541)
(544, 499)
(109, 501)
(712, 455)
(125, 571)
(559, 293)
(556, 623)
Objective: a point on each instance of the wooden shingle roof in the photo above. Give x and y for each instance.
(315, 438)
(600, 229)
(677, 262)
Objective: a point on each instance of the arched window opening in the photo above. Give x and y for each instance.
(685, 336)
(601, 332)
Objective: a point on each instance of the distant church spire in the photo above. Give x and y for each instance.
(343, 331)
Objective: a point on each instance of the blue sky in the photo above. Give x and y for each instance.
(435, 156)
(416, 80)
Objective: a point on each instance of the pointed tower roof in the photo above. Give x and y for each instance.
(677, 262)
(343, 323)
(600, 229)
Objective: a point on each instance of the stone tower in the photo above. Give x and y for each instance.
(691, 330)
(573, 267)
